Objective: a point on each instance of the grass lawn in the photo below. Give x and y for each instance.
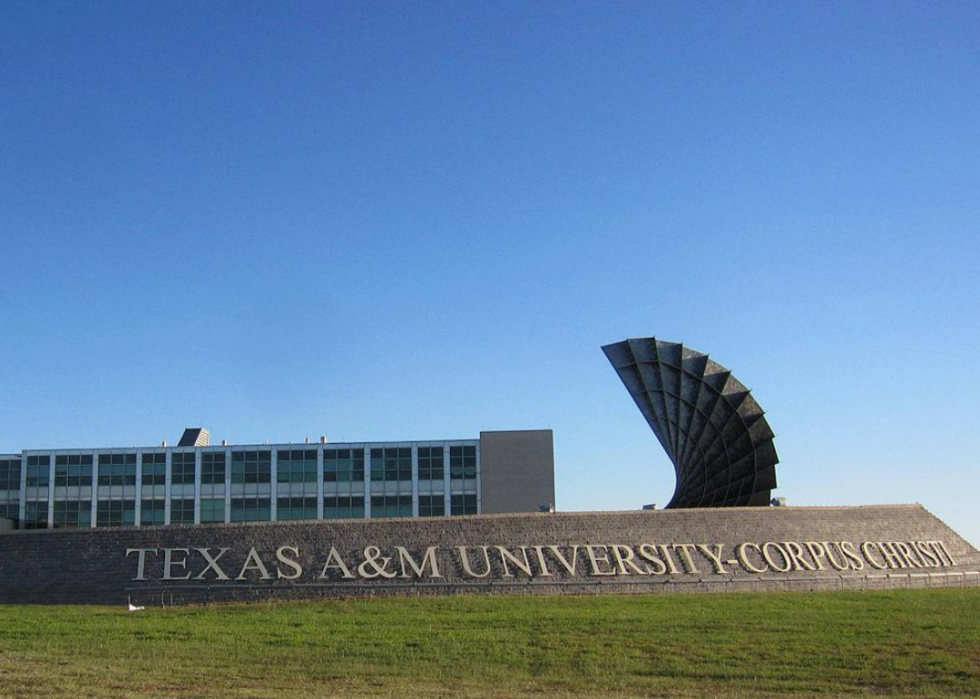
(902, 643)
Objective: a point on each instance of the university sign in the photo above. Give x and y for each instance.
(289, 563)
(689, 550)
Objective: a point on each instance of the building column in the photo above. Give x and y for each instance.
(446, 478)
(274, 483)
(319, 481)
(166, 489)
(139, 488)
(415, 480)
(197, 486)
(22, 502)
(51, 460)
(367, 481)
(227, 484)
(95, 488)
(479, 481)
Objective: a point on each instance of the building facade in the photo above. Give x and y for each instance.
(190, 484)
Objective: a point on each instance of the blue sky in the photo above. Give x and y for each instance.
(414, 220)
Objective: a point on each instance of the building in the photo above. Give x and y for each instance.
(195, 482)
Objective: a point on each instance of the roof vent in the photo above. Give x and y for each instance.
(195, 437)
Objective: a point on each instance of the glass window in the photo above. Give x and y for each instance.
(73, 470)
(152, 512)
(9, 474)
(39, 472)
(343, 465)
(213, 468)
(36, 515)
(73, 514)
(432, 506)
(390, 505)
(343, 507)
(11, 510)
(250, 509)
(296, 507)
(463, 504)
(182, 511)
(115, 513)
(296, 466)
(212, 509)
(251, 467)
(391, 464)
(462, 462)
(60, 471)
(117, 469)
(182, 469)
(430, 464)
(154, 469)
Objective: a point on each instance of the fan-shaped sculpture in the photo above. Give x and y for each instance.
(712, 429)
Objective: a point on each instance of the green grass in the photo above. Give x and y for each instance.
(903, 643)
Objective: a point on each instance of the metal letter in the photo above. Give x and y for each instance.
(297, 568)
(744, 559)
(928, 556)
(465, 560)
(796, 556)
(169, 563)
(939, 546)
(714, 557)
(890, 555)
(782, 552)
(595, 560)
(906, 553)
(372, 555)
(649, 552)
(212, 563)
(817, 552)
(847, 548)
(624, 556)
(828, 549)
(865, 547)
(254, 562)
(686, 555)
(569, 567)
(506, 554)
(141, 564)
(669, 560)
(429, 558)
(338, 563)
(545, 573)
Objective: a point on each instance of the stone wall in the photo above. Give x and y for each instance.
(710, 550)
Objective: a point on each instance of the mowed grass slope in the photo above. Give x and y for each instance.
(902, 643)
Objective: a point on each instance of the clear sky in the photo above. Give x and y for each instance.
(419, 221)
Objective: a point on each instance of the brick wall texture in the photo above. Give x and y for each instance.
(709, 550)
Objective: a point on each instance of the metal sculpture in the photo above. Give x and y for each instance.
(709, 424)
